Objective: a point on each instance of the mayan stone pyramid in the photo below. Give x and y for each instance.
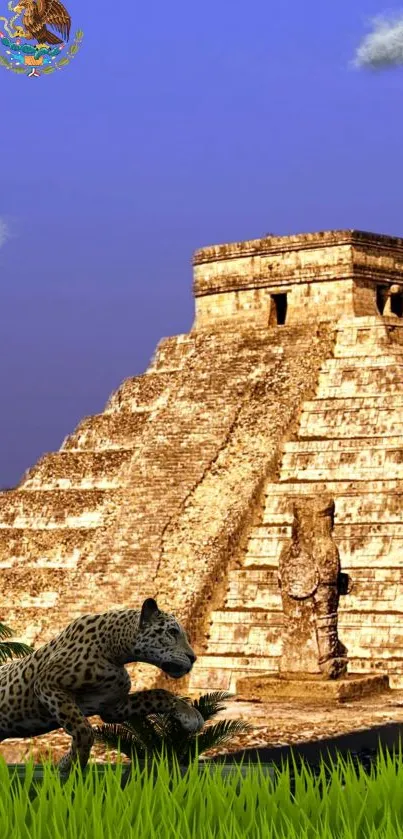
(289, 383)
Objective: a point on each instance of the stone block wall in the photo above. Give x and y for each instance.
(324, 275)
(178, 486)
(348, 445)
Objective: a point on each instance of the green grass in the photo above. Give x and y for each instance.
(158, 803)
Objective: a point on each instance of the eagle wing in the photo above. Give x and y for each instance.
(54, 13)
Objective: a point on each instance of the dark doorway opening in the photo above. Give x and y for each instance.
(280, 307)
(396, 304)
(381, 297)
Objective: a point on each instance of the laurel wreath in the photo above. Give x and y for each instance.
(71, 52)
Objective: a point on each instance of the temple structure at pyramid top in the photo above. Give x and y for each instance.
(299, 278)
(288, 384)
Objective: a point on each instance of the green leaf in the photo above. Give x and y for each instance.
(5, 631)
(114, 735)
(149, 735)
(12, 649)
(63, 62)
(48, 70)
(220, 733)
(210, 703)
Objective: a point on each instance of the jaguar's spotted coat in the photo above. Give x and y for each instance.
(82, 672)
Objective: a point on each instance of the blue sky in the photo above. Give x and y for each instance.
(176, 126)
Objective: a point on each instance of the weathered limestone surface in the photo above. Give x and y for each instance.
(165, 518)
(325, 275)
(289, 383)
(47, 522)
(348, 445)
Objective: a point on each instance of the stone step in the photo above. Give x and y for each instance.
(262, 536)
(245, 617)
(262, 617)
(359, 423)
(139, 393)
(378, 402)
(57, 548)
(362, 365)
(344, 460)
(350, 562)
(286, 490)
(355, 444)
(107, 431)
(368, 509)
(51, 582)
(359, 382)
(349, 510)
(212, 673)
(367, 349)
(352, 324)
(172, 353)
(386, 599)
(358, 390)
(370, 502)
(380, 598)
(55, 508)
(380, 545)
(359, 416)
(251, 581)
(376, 338)
(348, 465)
(241, 617)
(362, 368)
(347, 472)
(218, 669)
(70, 469)
(258, 640)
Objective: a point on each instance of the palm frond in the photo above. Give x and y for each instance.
(5, 631)
(116, 736)
(172, 735)
(210, 703)
(146, 731)
(167, 727)
(149, 735)
(140, 731)
(14, 649)
(221, 732)
(131, 742)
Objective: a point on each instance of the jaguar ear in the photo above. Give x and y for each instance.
(148, 611)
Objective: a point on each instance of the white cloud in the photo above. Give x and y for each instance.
(4, 232)
(383, 47)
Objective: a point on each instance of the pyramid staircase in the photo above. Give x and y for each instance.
(90, 527)
(63, 502)
(350, 444)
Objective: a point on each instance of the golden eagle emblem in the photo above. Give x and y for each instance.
(37, 19)
(36, 14)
